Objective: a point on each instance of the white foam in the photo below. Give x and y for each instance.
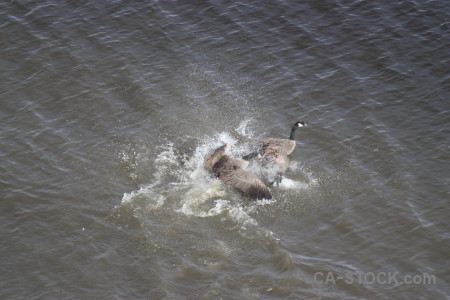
(287, 183)
(233, 211)
(263, 202)
(148, 194)
(196, 197)
(243, 130)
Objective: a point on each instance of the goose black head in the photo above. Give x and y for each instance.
(300, 124)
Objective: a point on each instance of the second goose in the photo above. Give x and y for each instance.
(274, 152)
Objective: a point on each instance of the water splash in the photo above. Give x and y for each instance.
(147, 195)
(182, 185)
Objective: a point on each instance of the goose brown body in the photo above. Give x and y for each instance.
(274, 152)
(231, 171)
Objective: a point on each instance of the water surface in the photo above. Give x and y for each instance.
(108, 108)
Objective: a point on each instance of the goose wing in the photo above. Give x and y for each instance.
(214, 156)
(246, 182)
(208, 162)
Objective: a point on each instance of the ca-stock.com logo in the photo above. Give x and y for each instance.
(389, 278)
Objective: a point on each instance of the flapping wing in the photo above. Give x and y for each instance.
(246, 182)
(212, 158)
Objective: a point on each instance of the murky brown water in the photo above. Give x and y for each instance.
(108, 108)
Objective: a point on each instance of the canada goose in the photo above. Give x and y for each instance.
(274, 152)
(231, 172)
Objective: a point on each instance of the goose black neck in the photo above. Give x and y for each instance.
(292, 137)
